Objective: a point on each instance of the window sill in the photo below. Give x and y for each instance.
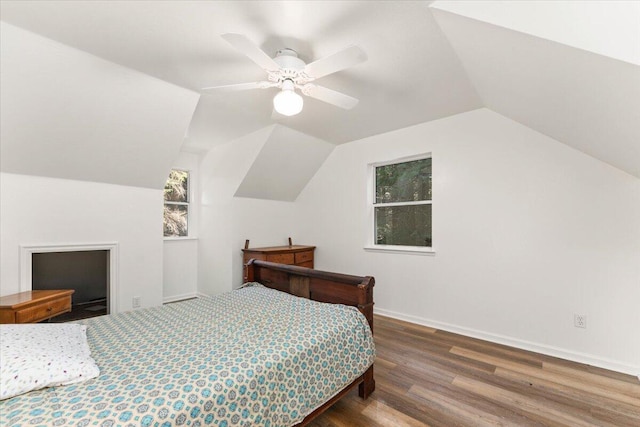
(178, 239)
(413, 250)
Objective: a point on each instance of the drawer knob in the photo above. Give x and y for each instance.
(49, 308)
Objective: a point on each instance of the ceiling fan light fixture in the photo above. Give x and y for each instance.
(288, 72)
(287, 102)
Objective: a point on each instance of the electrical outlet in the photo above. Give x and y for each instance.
(580, 321)
(135, 302)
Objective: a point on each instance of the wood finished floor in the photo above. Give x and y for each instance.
(428, 377)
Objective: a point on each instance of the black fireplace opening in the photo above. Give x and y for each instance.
(86, 272)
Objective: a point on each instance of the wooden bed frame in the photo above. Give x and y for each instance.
(321, 286)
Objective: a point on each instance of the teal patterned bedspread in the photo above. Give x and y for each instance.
(250, 357)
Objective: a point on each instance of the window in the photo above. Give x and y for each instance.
(176, 204)
(402, 204)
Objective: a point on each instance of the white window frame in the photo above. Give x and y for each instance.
(188, 204)
(371, 244)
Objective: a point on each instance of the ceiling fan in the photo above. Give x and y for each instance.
(288, 72)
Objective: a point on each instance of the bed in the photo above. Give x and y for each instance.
(250, 357)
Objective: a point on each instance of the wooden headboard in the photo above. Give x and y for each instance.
(316, 285)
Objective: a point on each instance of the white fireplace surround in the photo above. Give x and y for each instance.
(26, 252)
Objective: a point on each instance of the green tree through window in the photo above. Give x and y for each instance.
(176, 204)
(402, 206)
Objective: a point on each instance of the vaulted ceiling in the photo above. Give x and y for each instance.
(425, 61)
(569, 85)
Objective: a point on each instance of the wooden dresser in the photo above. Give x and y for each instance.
(292, 254)
(34, 306)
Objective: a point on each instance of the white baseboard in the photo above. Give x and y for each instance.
(175, 298)
(201, 295)
(514, 342)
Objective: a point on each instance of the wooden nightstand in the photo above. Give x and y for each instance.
(34, 306)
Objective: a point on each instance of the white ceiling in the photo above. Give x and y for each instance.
(66, 114)
(424, 63)
(411, 76)
(608, 28)
(285, 154)
(586, 100)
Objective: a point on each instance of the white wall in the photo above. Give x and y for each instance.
(527, 232)
(180, 269)
(226, 221)
(180, 256)
(38, 210)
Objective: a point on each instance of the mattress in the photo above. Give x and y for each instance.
(251, 357)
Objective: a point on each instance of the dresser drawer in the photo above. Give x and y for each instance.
(303, 256)
(44, 310)
(280, 258)
(308, 264)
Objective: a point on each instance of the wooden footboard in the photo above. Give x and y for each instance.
(321, 286)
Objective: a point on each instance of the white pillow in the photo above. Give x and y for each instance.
(35, 356)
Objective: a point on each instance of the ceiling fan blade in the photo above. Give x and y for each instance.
(254, 53)
(330, 96)
(241, 86)
(338, 61)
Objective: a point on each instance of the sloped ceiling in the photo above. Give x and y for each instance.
(411, 76)
(285, 164)
(577, 83)
(608, 28)
(67, 114)
(583, 99)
